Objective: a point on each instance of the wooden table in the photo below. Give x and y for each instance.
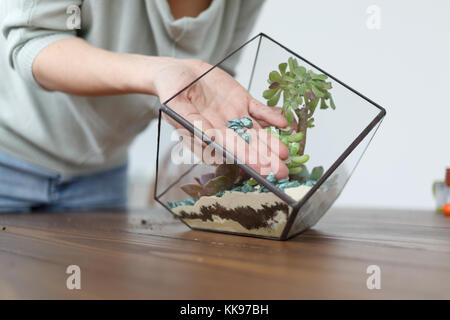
(149, 254)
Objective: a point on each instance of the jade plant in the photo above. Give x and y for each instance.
(302, 91)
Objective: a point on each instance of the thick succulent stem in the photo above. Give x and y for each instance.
(301, 127)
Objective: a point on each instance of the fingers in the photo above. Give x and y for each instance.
(270, 152)
(264, 153)
(256, 154)
(274, 144)
(270, 115)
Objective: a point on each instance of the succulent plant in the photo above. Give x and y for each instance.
(224, 178)
(302, 91)
(309, 178)
(292, 141)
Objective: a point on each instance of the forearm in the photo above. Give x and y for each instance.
(74, 66)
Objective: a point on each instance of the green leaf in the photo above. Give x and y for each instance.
(252, 182)
(295, 170)
(319, 84)
(274, 76)
(285, 132)
(274, 100)
(332, 103)
(282, 67)
(216, 185)
(316, 173)
(317, 92)
(285, 97)
(294, 147)
(291, 64)
(269, 93)
(301, 90)
(304, 174)
(290, 165)
(300, 71)
(315, 76)
(289, 116)
(323, 104)
(193, 190)
(288, 78)
(313, 104)
(228, 170)
(296, 137)
(327, 85)
(300, 159)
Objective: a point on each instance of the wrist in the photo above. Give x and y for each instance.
(143, 72)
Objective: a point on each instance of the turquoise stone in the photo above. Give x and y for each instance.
(240, 126)
(247, 122)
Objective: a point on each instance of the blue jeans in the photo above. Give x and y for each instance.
(25, 187)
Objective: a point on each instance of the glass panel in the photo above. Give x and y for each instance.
(323, 198)
(332, 120)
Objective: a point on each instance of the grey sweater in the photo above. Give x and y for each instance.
(75, 135)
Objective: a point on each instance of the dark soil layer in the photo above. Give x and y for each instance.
(246, 216)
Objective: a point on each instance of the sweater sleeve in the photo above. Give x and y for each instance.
(29, 26)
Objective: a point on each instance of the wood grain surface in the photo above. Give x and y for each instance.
(150, 255)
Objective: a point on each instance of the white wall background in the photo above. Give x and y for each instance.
(403, 66)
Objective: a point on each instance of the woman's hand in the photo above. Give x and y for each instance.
(212, 101)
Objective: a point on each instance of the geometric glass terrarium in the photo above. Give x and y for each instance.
(332, 126)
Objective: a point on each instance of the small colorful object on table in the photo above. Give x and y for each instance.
(446, 209)
(441, 192)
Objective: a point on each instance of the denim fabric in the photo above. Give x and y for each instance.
(25, 187)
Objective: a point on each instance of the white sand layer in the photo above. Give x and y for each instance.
(234, 199)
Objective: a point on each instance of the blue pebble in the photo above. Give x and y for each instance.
(293, 184)
(247, 122)
(220, 193)
(246, 137)
(282, 186)
(271, 178)
(190, 201)
(247, 188)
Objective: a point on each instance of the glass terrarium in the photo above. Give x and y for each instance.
(330, 127)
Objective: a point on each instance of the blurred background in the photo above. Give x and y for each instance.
(393, 51)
